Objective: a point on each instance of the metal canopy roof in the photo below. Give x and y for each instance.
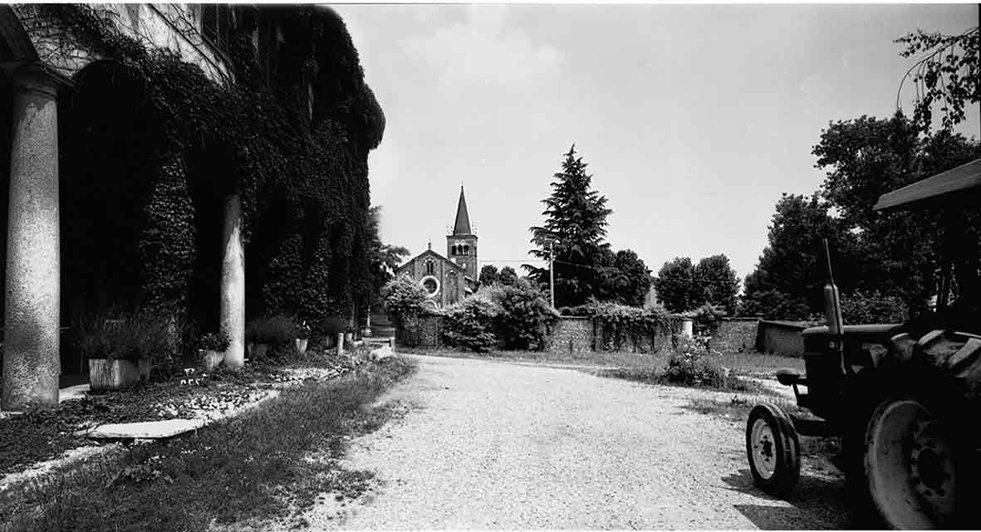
(964, 178)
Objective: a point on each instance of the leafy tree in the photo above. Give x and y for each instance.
(895, 253)
(865, 158)
(508, 277)
(575, 222)
(716, 283)
(488, 275)
(629, 280)
(675, 283)
(384, 258)
(788, 280)
(946, 72)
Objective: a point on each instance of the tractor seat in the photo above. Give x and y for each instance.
(790, 377)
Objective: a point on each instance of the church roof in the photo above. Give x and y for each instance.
(462, 225)
(429, 253)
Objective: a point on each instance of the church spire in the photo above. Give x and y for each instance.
(462, 225)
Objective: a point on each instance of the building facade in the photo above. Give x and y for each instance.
(49, 56)
(448, 279)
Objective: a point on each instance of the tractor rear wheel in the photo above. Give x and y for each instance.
(911, 466)
(773, 450)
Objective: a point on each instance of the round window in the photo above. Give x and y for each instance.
(431, 285)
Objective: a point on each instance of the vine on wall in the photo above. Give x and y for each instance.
(302, 175)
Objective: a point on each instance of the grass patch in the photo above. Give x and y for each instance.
(729, 382)
(46, 434)
(268, 463)
(737, 409)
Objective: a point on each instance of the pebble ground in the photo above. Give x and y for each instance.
(492, 445)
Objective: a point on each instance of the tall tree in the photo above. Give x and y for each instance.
(715, 282)
(675, 283)
(488, 275)
(575, 223)
(787, 282)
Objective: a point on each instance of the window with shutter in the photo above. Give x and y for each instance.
(216, 24)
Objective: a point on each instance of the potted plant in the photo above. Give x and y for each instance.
(211, 348)
(264, 333)
(122, 350)
(302, 337)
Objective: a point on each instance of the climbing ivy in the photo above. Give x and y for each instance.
(300, 168)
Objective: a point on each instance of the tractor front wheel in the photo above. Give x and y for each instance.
(773, 449)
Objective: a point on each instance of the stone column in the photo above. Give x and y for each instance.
(233, 283)
(31, 360)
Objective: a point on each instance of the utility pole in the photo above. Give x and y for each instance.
(551, 271)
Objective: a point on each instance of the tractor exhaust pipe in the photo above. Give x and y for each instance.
(832, 303)
(832, 310)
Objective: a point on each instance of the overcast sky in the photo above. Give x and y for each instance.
(693, 118)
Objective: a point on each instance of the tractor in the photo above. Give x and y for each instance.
(904, 399)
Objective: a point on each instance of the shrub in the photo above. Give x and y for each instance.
(274, 330)
(692, 364)
(403, 298)
(470, 324)
(335, 326)
(525, 318)
(214, 342)
(140, 334)
(873, 307)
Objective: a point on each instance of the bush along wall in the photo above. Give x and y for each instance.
(508, 317)
(151, 148)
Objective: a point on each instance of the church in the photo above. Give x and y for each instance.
(447, 279)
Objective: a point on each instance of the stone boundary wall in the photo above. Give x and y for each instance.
(569, 334)
(736, 335)
(572, 334)
(425, 333)
(781, 338)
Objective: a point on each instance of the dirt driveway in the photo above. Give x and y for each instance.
(496, 445)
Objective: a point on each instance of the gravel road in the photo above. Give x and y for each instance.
(488, 444)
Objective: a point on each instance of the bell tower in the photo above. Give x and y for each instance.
(461, 245)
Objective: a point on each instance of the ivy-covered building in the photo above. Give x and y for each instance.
(447, 279)
(207, 163)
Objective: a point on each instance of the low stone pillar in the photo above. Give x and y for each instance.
(233, 282)
(31, 360)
